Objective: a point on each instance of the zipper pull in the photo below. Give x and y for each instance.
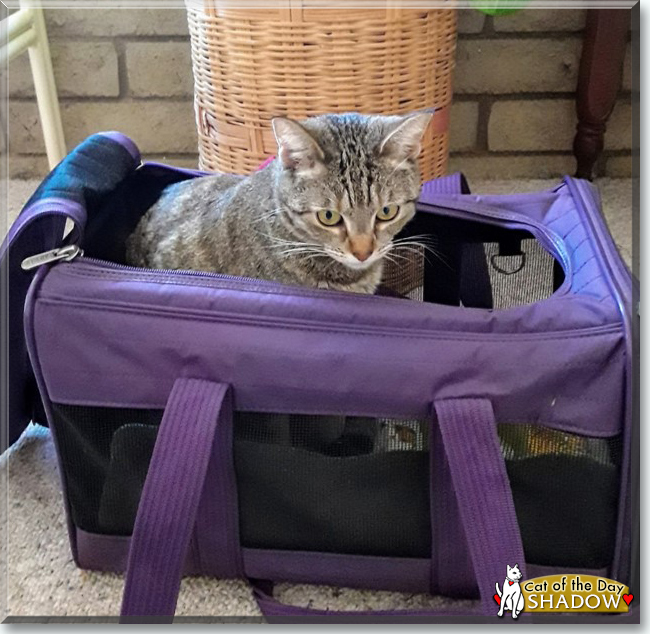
(63, 253)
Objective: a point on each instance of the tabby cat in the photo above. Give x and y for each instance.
(323, 213)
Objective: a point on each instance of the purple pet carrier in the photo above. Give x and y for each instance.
(475, 413)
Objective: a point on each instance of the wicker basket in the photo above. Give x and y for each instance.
(251, 64)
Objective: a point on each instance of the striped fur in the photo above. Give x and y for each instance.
(266, 225)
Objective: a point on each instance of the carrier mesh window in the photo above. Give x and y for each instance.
(347, 484)
(467, 263)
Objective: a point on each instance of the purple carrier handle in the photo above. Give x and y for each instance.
(196, 430)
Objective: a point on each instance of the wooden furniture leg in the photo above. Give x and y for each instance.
(599, 80)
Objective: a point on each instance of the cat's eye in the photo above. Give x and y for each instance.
(388, 212)
(329, 218)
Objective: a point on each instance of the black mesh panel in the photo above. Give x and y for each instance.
(333, 484)
(354, 485)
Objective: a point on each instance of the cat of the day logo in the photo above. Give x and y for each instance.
(560, 593)
(511, 597)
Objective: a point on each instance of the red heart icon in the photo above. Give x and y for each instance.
(628, 598)
(497, 598)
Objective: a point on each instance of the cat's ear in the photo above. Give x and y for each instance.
(508, 567)
(297, 149)
(404, 141)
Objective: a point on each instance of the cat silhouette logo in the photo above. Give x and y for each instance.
(511, 598)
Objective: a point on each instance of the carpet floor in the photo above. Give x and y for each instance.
(41, 577)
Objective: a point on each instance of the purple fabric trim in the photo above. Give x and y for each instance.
(125, 142)
(109, 553)
(451, 184)
(30, 342)
(45, 207)
(171, 495)
(92, 280)
(588, 203)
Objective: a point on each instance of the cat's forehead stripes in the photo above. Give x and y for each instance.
(350, 135)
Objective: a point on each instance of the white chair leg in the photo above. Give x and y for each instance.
(45, 87)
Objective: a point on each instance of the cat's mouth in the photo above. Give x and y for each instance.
(355, 264)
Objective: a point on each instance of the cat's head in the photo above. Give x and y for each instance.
(514, 573)
(347, 183)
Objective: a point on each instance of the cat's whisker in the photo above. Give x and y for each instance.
(413, 243)
(281, 240)
(297, 245)
(426, 238)
(420, 246)
(317, 255)
(398, 261)
(268, 214)
(412, 249)
(391, 258)
(297, 251)
(420, 249)
(327, 266)
(396, 256)
(303, 251)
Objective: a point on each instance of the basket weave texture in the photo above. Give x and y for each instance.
(251, 64)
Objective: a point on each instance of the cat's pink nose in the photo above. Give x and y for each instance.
(362, 247)
(362, 256)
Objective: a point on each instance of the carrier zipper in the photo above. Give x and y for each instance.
(250, 283)
(69, 253)
(66, 254)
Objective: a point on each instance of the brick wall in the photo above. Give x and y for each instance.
(130, 70)
(514, 97)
